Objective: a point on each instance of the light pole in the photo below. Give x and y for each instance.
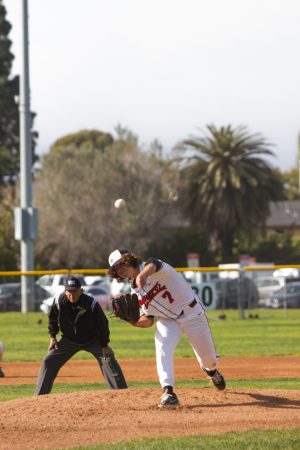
(299, 162)
(25, 216)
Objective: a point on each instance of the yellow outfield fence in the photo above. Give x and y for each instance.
(253, 268)
(16, 273)
(224, 287)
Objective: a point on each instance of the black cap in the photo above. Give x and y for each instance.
(72, 284)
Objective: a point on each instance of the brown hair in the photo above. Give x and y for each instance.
(128, 259)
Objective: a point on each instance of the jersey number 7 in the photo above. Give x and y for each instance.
(167, 295)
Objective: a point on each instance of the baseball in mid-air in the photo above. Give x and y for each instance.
(120, 203)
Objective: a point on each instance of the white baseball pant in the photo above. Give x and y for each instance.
(168, 334)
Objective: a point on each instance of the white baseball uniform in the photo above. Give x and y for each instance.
(168, 297)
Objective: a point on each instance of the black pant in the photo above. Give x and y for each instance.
(56, 358)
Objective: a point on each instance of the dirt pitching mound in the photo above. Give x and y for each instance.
(103, 417)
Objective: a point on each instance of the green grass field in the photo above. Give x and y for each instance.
(26, 339)
(273, 333)
(250, 440)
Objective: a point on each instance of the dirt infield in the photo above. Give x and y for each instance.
(87, 371)
(95, 417)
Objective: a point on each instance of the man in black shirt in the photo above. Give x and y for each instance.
(83, 326)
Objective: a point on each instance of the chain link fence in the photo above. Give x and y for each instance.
(244, 289)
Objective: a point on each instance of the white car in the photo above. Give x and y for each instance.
(45, 306)
(286, 272)
(97, 292)
(55, 284)
(100, 294)
(117, 289)
(266, 286)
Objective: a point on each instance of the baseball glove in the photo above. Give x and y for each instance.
(127, 307)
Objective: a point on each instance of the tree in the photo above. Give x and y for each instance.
(9, 247)
(83, 139)
(227, 186)
(278, 248)
(9, 113)
(174, 243)
(75, 192)
(290, 180)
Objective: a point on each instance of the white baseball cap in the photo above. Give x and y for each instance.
(116, 256)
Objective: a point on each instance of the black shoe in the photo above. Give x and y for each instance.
(168, 400)
(1, 373)
(217, 379)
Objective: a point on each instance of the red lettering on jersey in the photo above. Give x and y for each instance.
(144, 300)
(157, 288)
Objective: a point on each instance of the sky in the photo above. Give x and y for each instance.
(165, 69)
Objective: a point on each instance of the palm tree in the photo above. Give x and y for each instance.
(227, 184)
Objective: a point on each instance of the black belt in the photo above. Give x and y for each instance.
(191, 305)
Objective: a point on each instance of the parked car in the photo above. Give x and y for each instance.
(46, 304)
(100, 295)
(287, 273)
(93, 279)
(266, 286)
(117, 289)
(104, 282)
(288, 295)
(97, 292)
(10, 296)
(55, 283)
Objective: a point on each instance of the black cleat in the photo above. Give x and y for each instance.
(168, 400)
(217, 379)
(1, 373)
